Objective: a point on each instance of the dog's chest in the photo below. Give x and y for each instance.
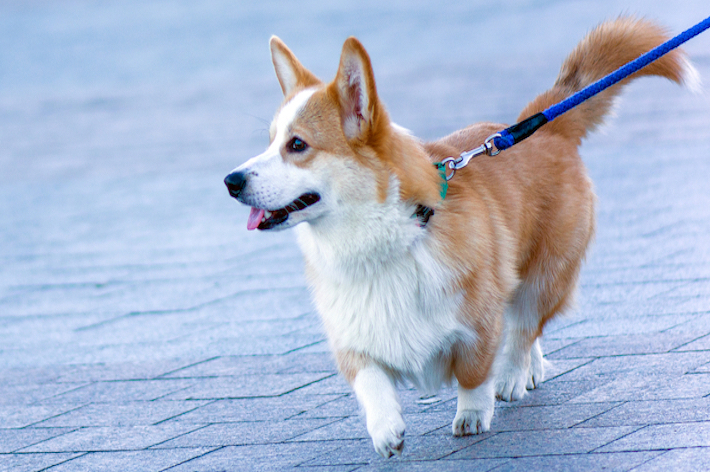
(394, 308)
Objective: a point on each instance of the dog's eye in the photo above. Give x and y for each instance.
(297, 145)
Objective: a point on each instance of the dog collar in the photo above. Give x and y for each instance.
(422, 214)
(444, 186)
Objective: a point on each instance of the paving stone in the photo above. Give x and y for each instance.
(120, 461)
(245, 433)
(342, 406)
(680, 460)
(620, 461)
(428, 466)
(259, 458)
(128, 390)
(664, 364)
(15, 439)
(348, 428)
(241, 365)
(257, 409)
(649, 387)
(561, 416)
(650, 343)
(104, 438)
(543, 442)
(121, 414)
(653, 412)
(32, 462)
(663, 437)
(13, 417)
(245, 386)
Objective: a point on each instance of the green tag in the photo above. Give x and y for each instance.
(444, 183)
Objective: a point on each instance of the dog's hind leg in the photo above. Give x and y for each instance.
(514, 363)
(520, 364)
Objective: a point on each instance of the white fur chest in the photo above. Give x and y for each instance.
(389, 301)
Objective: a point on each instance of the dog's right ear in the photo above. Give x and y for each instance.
(289, 70)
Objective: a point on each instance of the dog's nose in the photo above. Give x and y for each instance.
(235, 183)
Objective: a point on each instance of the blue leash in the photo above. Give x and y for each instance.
(518, 132)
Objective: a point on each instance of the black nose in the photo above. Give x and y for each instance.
(235, 183)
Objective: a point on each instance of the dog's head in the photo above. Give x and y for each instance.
(331, 145)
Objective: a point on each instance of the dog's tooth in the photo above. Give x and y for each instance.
(267, 214)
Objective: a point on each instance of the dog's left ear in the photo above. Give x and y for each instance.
(289, 70)
(354, 86)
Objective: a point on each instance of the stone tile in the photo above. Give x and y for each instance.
(620, 461)
(32, 462)
(329, 385)
(561, 416)
(246, 386)
(613, 325)
(12, 440)
(679, 460)
(122, 414)
(295, 363)
(652, 364)
(257, 409)
(96, 439)
(120, 461)
(542, 442)
(396, 465)
(663, 437)
(342, 406)
(700, 344)
(348, 428)
(272, 457)
(650, 343)
(245, 433)
(653, 412)
(13, 417)
(560, 366)
(145, 370)
(638, 386)
(122, 391)
(31, 394)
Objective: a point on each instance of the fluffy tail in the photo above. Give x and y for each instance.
(605, 49)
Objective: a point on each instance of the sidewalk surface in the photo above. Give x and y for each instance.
(143, 328)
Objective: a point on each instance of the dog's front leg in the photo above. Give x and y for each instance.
(474, 410)
(376, 393)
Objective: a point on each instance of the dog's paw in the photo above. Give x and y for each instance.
(387, 435)
(511, 383)
(469, 422)
(536, 374)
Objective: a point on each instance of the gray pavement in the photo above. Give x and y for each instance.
(143, 328)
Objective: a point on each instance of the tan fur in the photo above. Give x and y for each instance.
(520, 220)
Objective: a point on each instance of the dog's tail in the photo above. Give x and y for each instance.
(602, 51)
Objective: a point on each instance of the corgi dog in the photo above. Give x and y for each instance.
(412, 285)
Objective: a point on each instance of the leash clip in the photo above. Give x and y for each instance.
(455, 163)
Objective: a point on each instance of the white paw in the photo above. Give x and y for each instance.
(472, 422)
(387, 435)
(536, 374)
(511, 383)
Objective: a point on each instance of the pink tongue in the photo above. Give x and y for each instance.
(255, 218)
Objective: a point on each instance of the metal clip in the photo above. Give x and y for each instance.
(456, 163)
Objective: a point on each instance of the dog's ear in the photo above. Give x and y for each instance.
(355, 88)
(289, 70)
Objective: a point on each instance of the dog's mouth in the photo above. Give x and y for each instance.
(260, 218)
